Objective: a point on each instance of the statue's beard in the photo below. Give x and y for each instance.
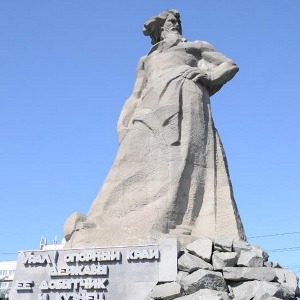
(171, 33)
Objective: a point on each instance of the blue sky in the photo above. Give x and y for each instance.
(66, 68)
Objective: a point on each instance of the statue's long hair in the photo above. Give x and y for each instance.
(153, 26)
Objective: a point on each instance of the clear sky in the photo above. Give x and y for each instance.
(66, 68)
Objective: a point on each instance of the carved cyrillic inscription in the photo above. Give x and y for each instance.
(144, 254)
(24, 285)
(82, 270)
(81, 296)
(37, 259)
(74, 284)
(93, 256)
(84, 274)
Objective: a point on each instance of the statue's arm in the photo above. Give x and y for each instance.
(132, 102)
(214, 68)
(224, 69)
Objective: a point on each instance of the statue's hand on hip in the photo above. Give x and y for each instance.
(197, 75)
(203, 78)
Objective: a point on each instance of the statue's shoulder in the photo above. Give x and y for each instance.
(141, 62)
(200, 46)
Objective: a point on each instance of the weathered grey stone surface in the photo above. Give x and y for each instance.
(266, 297)
(204, 279)
(206, 294)
(170, 176)
(239, 245)
(267, 282)
(245, 273)
(280, 275)
(181, 275)
(268, 264)
(221, 260)
(223, 244)
(275, 264)
(166, 291)
(202, 247)
(272, 264)
(249, 289)
(289, 280)
(72, 223)
(252, 258)
(191, 263)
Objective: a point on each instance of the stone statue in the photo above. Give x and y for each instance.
(170, 175)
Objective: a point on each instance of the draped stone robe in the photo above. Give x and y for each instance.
(170, 175)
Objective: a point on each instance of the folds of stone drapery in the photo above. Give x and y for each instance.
(219, 215)
(170, 174)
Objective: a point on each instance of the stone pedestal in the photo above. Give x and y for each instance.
(127, 273)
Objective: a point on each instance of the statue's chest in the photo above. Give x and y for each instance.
(168, 59)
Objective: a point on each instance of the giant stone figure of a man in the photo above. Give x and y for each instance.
(170, 175)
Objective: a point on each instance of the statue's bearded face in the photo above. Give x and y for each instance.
(172, 24)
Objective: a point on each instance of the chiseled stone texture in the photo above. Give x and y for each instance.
(239, 245)
(181, 275)
(249, 289)
(255, 257)
(264, 281)
(71, 224)
(204, 279)
(289, 280)
(190, 263)
(206, 294)
(166, 291)
(272, 264)
(221, 260)
(202, 248)
(223, 244)
(247, 273)
(267, 297)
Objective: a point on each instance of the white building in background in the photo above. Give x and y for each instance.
(7, 268)
(45, 246)
(7, 271)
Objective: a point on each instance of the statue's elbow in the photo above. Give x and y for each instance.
(235, 68)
